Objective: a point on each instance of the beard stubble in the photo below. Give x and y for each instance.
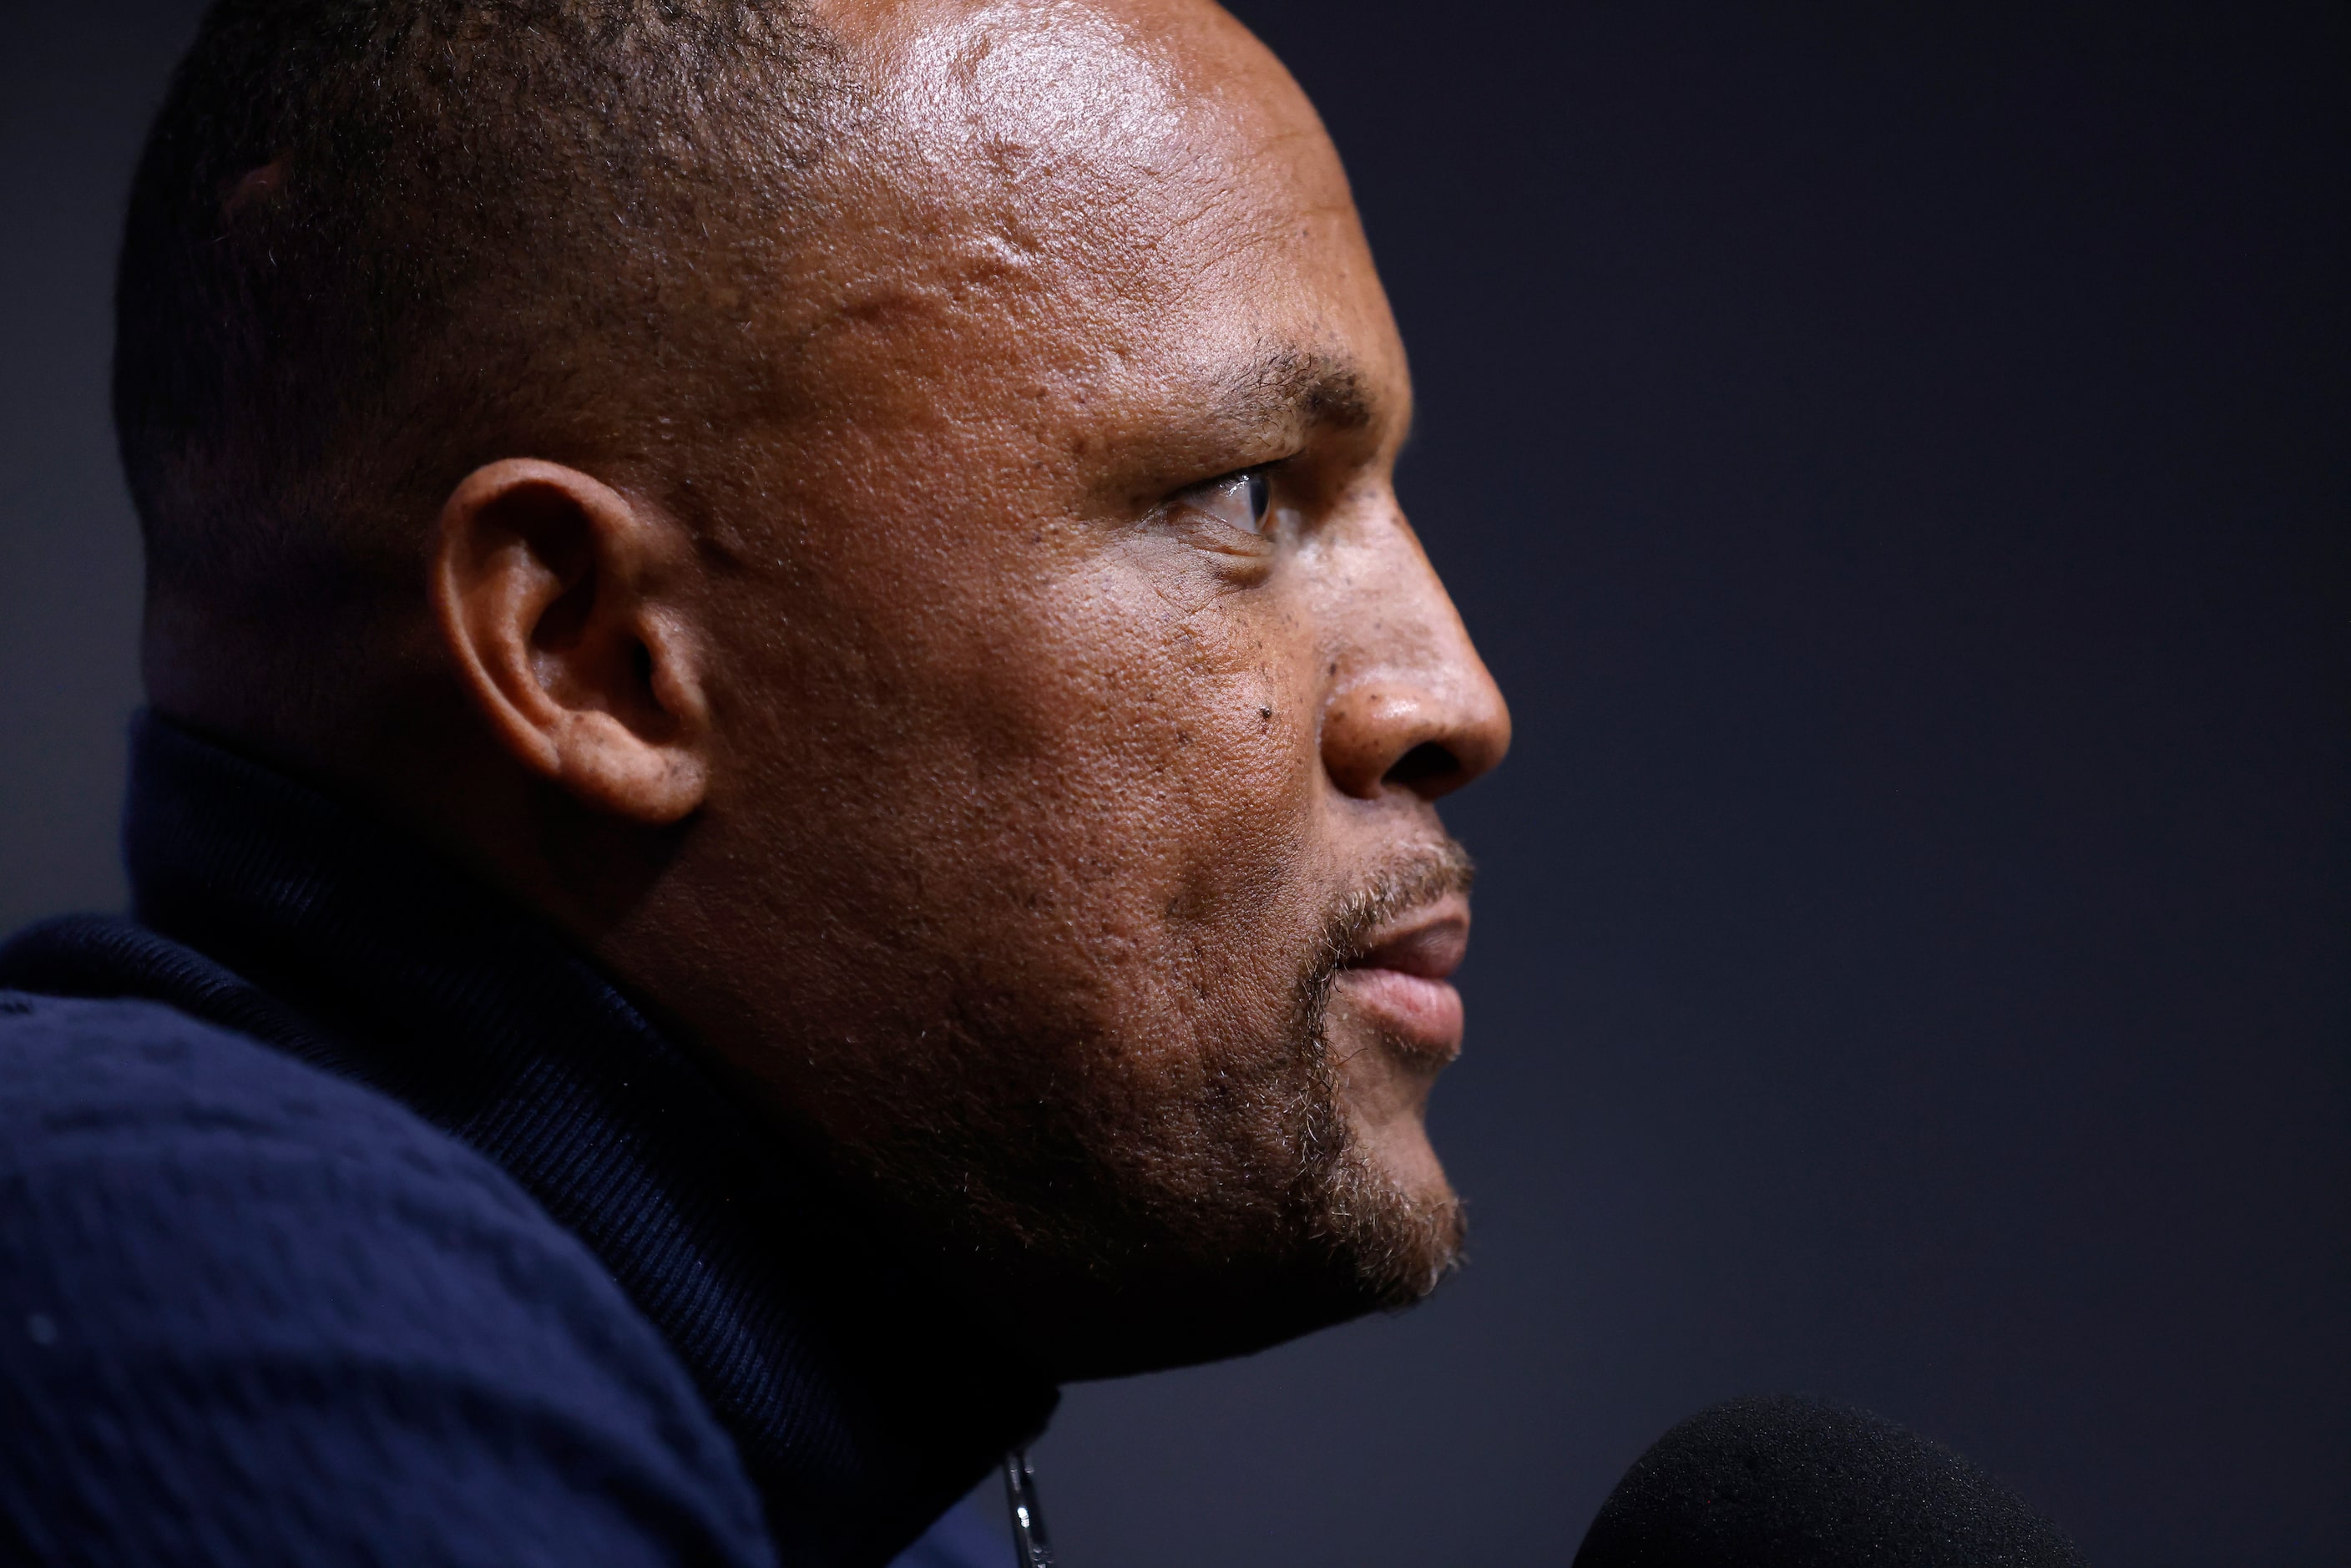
(1110, 1244)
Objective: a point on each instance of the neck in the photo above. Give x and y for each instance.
(863, 1398)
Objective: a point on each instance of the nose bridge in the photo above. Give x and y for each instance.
(1409, 704)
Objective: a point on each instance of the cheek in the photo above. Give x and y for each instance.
(1062, 784)
(1152, 758)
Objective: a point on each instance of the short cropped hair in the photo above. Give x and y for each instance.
(373, 243)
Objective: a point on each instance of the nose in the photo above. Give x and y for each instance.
(1410, 705)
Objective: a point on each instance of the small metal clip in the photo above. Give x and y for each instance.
(1031, 1549)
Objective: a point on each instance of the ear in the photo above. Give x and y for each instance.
(556, 597)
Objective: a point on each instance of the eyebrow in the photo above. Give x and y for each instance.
(1305, 387)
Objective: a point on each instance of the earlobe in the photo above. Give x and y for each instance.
(555, 595)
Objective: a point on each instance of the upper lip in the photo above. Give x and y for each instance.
(1428, 941)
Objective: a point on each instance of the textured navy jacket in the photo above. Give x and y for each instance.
(346, 1215)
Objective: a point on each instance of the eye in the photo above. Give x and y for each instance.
(1237, 500)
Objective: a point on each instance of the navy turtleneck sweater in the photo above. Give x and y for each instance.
(349, 1214)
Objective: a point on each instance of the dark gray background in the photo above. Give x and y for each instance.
(1898, 469)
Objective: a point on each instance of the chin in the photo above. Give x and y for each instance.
(1392, 1210)
(1111, 1223)
(1368, 1239)
(1351, 1236)
(1401, 1231)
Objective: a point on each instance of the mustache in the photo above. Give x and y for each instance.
(1421, 876)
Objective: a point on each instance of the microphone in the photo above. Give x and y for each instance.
(1788, 1481)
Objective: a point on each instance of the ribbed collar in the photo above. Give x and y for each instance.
(862, 1403)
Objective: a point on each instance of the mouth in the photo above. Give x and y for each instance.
(1401, 984)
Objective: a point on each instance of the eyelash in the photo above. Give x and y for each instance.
(1257, 487)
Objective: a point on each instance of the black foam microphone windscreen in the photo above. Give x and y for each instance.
(1787, 1481)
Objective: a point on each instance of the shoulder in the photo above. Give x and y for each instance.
(84, 1083)
(135, 1138)
(253, 1312)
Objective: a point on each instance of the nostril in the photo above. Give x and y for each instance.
(1424, 763)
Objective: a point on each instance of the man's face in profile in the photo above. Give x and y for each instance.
(1085, 694)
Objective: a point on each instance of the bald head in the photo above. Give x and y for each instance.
(1144, 161)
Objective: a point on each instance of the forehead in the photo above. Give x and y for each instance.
(1135, 181)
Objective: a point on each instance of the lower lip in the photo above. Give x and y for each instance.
(1412, 1009)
